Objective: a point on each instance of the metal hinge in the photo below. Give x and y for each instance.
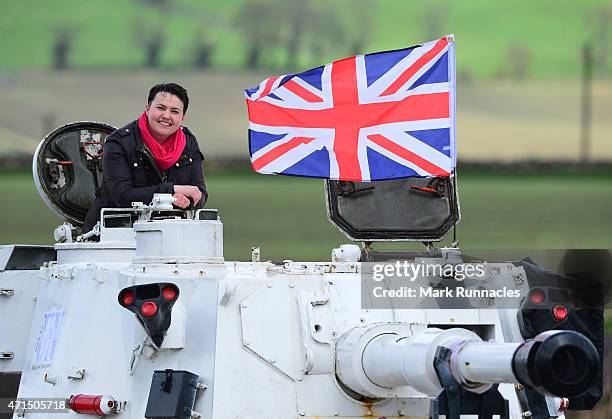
(6, 292)
(77, 374)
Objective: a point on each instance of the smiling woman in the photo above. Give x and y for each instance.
(153, 154)
(164, 114)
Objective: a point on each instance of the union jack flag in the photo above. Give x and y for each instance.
(371, 117)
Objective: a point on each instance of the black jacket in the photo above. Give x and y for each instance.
(130, 173)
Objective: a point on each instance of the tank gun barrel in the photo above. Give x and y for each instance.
(559, 363)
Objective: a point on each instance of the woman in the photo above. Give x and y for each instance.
(153, 154)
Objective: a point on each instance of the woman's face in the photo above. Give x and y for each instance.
(164, 115)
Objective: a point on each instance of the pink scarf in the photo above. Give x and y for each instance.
(166, 153)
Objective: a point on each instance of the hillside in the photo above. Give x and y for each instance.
(518, 39)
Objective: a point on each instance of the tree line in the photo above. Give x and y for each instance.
(275, 33)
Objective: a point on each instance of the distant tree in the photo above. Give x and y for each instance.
(301, 28)
(435, 18)
(518, 61)
(203, 49)
(153, 47)
(358, 28)
(152, 44)
(313, 26)
(258, 21)
(601, 22)
(203, 54)
(328, 30)
(299, 14)
(61, 49)
(149, 30)
(150, 39)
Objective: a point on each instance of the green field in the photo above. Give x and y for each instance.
(493, 37)
(286, 216)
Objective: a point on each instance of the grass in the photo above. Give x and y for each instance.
(286, 216)
(547, 34)
(550, 32)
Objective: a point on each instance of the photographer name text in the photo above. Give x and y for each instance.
(447, 292)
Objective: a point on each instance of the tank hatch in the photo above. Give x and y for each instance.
(408, 209)
(67, 168)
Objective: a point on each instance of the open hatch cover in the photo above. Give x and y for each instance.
(67, 168)
(408, 209)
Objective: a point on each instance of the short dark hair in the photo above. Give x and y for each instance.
(173, 89)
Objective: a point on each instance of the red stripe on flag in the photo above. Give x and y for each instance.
(268, 87)
(412, 108)
(418, 64)
(275, 153)
(298, 90)
(346, 106)
(407, 155)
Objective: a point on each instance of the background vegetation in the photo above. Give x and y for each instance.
(517, 39)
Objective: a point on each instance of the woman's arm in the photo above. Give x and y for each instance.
(197, 177)
(119, 178)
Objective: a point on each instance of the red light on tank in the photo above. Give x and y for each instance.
(127, 298)
(536, 296)
(560, 313)
(169, 293)
(148, 309)
(152, 304)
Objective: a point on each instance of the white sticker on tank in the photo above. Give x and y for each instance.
(47, 339)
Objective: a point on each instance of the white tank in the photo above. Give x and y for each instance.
(151, 321)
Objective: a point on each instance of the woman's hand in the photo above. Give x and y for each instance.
(181, 200)
(189, 191)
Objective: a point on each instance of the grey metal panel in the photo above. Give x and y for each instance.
(410, 209)
(24, 257)
(9, 385)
